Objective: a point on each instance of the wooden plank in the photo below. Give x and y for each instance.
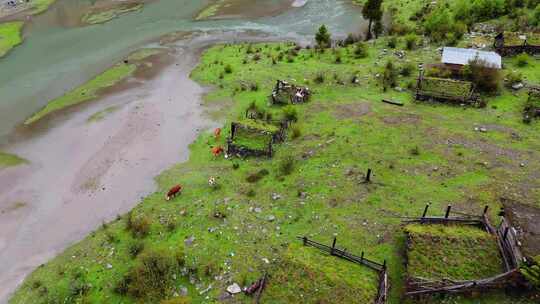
(395, 103)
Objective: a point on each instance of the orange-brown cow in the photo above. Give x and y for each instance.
(217, 151)
(217, 133)
(174, 191)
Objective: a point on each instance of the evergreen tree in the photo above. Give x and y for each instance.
(323, 37)
(372, 11)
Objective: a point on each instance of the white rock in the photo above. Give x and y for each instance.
(234, 289)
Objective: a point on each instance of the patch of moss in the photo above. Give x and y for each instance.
(10, 36)
(10, 160)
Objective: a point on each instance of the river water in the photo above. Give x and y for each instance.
(56, 56)
(46, 205)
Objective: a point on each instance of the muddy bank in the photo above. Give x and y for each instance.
(95, 171)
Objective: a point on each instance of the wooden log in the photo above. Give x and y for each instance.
(395, 103)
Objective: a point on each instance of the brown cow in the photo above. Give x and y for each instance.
(217, 151)
(174, 191)
(217, 133)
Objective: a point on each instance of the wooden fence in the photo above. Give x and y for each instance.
(508, 244)
(384, 284)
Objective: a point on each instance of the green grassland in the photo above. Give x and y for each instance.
(10, 160)
(102, 114)
(420, 153)
(10, 36)
(437, 252)
(103, 16)
(91, 90)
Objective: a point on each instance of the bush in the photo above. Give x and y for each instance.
(290, 113)
(411, 42)
(389, 75)
(351, 39)
(319, 78)
(522, 60)
(286, 165)
(296, 131)
(135, 248)
(152, 276)
(361, 51)
(486, 78)
(415, 151)
(228, 69)
(392, 42)
(139, 226)
(255, 177)
(513, 77)
(407, 69)
(323, 37)
(531, 272)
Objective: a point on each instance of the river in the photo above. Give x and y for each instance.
(45, 205)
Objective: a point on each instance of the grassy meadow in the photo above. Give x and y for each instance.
(209, 237)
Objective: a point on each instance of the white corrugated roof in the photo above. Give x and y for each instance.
(453, 55)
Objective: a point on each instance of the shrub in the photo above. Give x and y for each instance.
(486, 78)
(513, 77)
(296, 131)
(392, 42)
(531, 272)
(290, 58)
(522, 60)
(338, 58)
(351, 39)
(415, 151)
(323, 37)
(411, 42)
(139, 226)
(389, 75)
(361, 51)
(286, 165)
(290, 113)
(135, 248)
(319, 78)
(257, 176)
(407, 69)
(152, 276)
(228, 69)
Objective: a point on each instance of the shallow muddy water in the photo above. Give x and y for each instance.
(57, 56)
(81, 174)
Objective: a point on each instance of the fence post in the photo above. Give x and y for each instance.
(425, 211)
(447, 214)
(384, 265)
(368, 176)
(486, 209)
(362, 257)
(333, 246)
(304, 239)
(506, 233)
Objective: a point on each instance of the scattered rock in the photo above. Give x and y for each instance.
(275, 196)
(108, 266)
(189, 241)
(271, 218)
(517, 86)
(234, 289)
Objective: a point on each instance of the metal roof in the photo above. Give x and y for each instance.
(453, 55)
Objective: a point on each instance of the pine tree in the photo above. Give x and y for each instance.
(323, 37)
(373, 12)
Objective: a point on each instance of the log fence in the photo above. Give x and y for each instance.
(508, 244)
(381, 269)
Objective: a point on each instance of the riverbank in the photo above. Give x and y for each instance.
(420, 153)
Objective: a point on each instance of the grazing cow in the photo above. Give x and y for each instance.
(217, 133)
(217, 151)
(174, 191)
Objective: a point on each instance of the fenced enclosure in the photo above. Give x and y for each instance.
(285, 93)
(445, 90)
(507, 244)
(381, 269)
(511, 44)
(255, 138)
